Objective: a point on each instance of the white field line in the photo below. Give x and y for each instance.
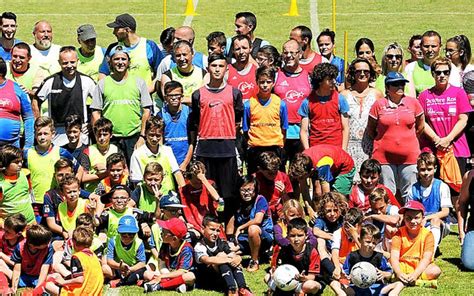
(397, 13)
(189, 19)
(313, 15)
(89, 14)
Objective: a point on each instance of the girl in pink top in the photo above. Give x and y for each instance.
(446, 109)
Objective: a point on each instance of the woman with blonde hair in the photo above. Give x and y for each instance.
(392, 61)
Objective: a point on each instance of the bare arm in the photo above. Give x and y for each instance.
(210, 189)
(441, 214)
(43, 273)
(419, 124)
(179, 178)
(304, 137)
(345, 131)
(464, 203)
(322, 234)
(371, 128)
(96, 114)
(35, 108)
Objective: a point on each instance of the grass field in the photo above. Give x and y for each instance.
(383, 21)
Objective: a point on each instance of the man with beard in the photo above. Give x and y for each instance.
(66, 93)
(123, 99)
(418, 72)
(7, 40)
(90, 55)
(20, 69)
(44, 53)
(310, 58)
(145, 56)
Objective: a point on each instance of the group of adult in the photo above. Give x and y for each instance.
(389, 112)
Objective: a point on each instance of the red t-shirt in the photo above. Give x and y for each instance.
(342, 162)
(272, 195)
(5, 248)
(198, 203)
(396, 141)
(357, 193)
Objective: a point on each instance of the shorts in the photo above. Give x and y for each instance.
(266, 237)
(203, 276)
(343, 183)
(27, 280)
(405, 268)
(372, 290)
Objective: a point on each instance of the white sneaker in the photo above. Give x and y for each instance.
(181, 289)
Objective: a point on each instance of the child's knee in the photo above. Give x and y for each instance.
(254, 230)
(189, 278)
(433, 271)
(311, 287)
(435, 222)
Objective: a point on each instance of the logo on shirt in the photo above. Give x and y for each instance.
(292, 96)
(5, 103)
(244, 87)
(213, 104)
(284, 83)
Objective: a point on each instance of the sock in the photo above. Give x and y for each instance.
(228, 276)
(133, 277)
(437, 236)
(327, 265)
(239, 278)
(172, 283)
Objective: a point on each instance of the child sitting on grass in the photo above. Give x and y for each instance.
(12, 235)
(214, 258)
(292, 209)
(369, 238)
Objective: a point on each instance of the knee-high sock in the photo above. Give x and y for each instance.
(172, 283)
(228, 276)
(239, 278)
(437, 236)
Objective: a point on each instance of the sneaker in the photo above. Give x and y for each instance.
(151, 287)
(232, 292)
(253, 266)
(181, 288)
(114, 283)
(245, 292)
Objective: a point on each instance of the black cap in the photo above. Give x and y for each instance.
(123, 21)
(106, 198)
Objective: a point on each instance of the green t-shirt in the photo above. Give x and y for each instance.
(15, 197)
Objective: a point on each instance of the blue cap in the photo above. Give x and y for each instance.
(394, 77)
(118, 49)
(170, 200)
(127, 224)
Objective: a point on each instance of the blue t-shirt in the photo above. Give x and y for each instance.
(247, 115)
(260, 206)
(7, 55)
(340, 64)
(10, 128)
(343, 105)
(17, 258)
(176, 132)
(111, 254)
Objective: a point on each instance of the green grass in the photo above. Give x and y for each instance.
(382, 21)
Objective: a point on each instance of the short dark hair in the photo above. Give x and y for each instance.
(115, 158)
(268, 160)
(321, 71)
(297, 223)
(214, 57)
(181, 43)
(154, 122)
(218, 37)
(16, 222)
(102, 124)
(372, 230)
(240, 38)
(8, 154)
(209, 218)
(63, 163)
(250, 18)
(38, 235)
(305, 32)
(8, 15)
(73, 120)
(69, 180)
(3, 68)
(172, 85)
(329, 33)
(23, 45)
(265, 71)
(167, 36)
(413, 39)
(354, 216)
(431, 33)
(370, 166)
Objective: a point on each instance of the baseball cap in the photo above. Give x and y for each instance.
(170, 200)
(123, 21)
(106, 198)
(176, 226)
(127, 224)
(468, 82)
(412, 205)
(86, 32)
(394, 77)
(117, 49)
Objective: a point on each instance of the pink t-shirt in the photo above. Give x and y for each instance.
(396, 141)
(442, 111)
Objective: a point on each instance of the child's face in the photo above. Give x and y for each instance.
(379, 207)
(367, 244)
(247, 192)
(214, 47)
(369, 181)
(291, 214)
(153, 137)
(269, 174)
(426, 172)
(116, 171)
(119, 200)
(34, 248)
(44, 136)
(211, 231)
(332, 212)
(413, 220)
(62, 173)
(127, 238)
(103, 138)
(297, 238)
(173, 97)
(153, 181)
(71, 192)
(74, 134)
(10, 234)
(14, 167)
(167, 236)
(265, 84)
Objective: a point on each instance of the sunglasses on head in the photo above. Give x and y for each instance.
(439, 72)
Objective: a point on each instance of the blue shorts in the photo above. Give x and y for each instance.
(372, 290)
(267, 241)
(28, 281)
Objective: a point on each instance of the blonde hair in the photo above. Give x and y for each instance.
(338, 199)
(293, 204)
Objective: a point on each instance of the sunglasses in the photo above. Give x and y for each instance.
(397, 84)
(128, 234)
(396, 56)
(366, 72)
(174, 97)
(445, 72)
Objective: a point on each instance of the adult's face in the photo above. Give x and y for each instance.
(430, 47)
(43, 34)
(8, 29)
(452, 52)
(184, 34)
(217, 69)
(184, 57)
(365, 52)
(441, 75)
(296, 35)
(241, 27)
(88, 46)
(362, 72)
(393, 58)
(415, 50)
(242, 50)
(120, 62)
(325, 45)
(68, 63)
(396, 90)
(291, 54)
(121, 34)
(20, 59)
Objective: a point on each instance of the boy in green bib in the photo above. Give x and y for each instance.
(147, 193)
(126, 254)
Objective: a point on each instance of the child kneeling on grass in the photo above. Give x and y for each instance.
(412, 251)
(86, 276)
(214, 258)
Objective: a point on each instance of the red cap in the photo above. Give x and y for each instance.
(174, 225)
(412, 205)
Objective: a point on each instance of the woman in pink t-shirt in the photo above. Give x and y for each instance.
(394, 123)
(446, 109)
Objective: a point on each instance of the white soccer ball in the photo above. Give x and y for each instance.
(284, 277)
(363, 275)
